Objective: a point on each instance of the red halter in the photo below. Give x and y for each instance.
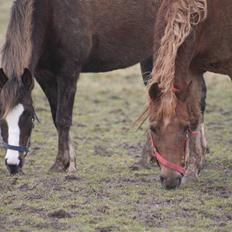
(161, 160)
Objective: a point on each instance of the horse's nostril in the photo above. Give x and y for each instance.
(20, 162)
(179, 181)
(13, 169)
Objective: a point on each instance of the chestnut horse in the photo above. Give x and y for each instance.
(54, 41)
(191, 37)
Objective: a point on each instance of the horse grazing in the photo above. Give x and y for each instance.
(54, 41)
(191, 37)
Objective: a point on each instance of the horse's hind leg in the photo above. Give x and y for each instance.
(145, 160)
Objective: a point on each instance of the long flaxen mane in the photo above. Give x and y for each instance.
(180, 16)
(16, 51)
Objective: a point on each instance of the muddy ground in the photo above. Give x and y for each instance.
(105, 195)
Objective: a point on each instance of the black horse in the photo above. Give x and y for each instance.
(54, 41)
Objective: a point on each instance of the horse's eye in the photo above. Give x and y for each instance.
(153, 129)
(193, 126)
(27, 113)
(186, 128)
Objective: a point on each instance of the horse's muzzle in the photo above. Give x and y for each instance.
(14, 169)
(170, 182)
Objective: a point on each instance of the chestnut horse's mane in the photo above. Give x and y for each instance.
(179, 16)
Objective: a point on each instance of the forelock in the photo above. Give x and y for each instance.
(10, 96)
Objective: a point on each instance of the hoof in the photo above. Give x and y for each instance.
(71, 170)
(58, 167)
(207, 150)
(190, 176)
(140, 165)
(136, 166)
(201, 166)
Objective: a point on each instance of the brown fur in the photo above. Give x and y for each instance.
(57, 40)
(180, 17)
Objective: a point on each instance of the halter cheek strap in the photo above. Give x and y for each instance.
(22, 149)
(162, 161)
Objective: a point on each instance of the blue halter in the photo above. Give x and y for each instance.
(21, 149)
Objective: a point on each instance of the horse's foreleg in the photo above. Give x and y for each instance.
(66, 86)
(202, 142)
(198, 143)
(195, 151)
(48, 83)
(203, 106)
(146, 69)
(146, 159)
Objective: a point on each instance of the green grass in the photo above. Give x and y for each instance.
(105, 195)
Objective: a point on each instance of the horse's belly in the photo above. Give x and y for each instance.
(117, 59)
(123, 34)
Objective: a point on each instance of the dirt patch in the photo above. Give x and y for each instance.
(102, 151)
(107, 229)
(71, 178)
(29, 209)
(134, 150)
(60, 214)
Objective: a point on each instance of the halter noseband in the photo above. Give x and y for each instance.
(21, 149)
(162, 161)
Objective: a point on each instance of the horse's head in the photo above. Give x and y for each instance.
(170, 130)
(17, 115)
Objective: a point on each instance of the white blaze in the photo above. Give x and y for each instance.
(12, 120)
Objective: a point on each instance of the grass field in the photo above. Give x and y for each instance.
(105, 195)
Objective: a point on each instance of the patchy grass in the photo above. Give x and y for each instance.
(105, 195)
(4, 16)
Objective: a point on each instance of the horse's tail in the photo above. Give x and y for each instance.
(16, 51)
(179, 17)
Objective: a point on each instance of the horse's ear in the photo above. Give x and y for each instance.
(155, 91)
(3, 78)
(27, 79)
(183, 94)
